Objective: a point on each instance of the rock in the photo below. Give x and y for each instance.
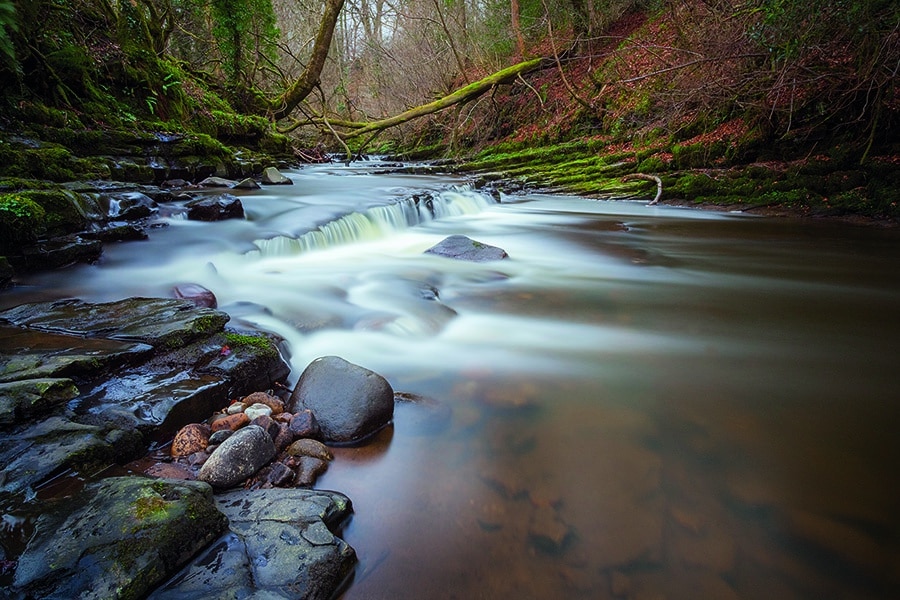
(304, 425)
(117, 539)
(127, 206)
(112, 232)
(256, 410)
(272, 402)
(246, 184)
(547, 531)
(239, 457)
(170, 471)
(233, 409)
(215, 208)
(57, 252)
(217, 182)
(272, 176)
(190, 439)
(280, 546)
(219, 436)
(308, 470)
(461, 247)
(307, 447)
(195, 294)
(349, 402)
(230, 422)
(284, 437)
(280, 475)
(268, 424)
(174, 183)
(22, 400)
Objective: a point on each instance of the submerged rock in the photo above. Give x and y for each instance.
(195, 294)
(349, 402)
(117, 539)
(461, 247)
(280, 545)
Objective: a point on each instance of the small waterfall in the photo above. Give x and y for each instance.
(380, 221)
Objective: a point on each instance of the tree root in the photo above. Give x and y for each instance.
(645, 177)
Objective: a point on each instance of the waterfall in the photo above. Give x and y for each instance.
(379, 221)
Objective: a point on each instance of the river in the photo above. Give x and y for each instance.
(640, 402)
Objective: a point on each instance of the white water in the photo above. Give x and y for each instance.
(708, 402)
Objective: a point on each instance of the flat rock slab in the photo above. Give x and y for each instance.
(461, 247)
(155, 321)
(28, 354)
(117, 539)
(280, 545)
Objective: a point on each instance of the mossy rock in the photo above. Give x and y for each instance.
(21, 221)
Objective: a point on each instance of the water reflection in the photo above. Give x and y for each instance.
(642, 402)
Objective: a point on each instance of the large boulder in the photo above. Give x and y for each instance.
(461, 247)
(119, 538)
(280, 545)
(237, 458)
(349, 402)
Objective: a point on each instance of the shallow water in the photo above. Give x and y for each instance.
(640, 402)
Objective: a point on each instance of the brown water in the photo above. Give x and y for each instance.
(640, 403)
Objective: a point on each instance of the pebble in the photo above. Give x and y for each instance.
(189, 439)
(237, 407)
(308, 447)
(308, 470)
(219, 436)
(230, 422)
(304, 425)
(256, 410)
(272, 402)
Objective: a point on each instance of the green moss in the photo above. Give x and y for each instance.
(256, 343)
(21, 221)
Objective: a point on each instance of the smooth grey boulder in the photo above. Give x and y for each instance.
(461, 247)
(272, 176)
(217, 182)
(119, 538)
(246, 184)
(348, 401)
(237, 458)
(215, 208)
(280, 545)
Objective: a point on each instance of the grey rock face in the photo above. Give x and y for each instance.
(280, 546)
(462, 248)
(237, 458)
(349, 402)
(272, 176)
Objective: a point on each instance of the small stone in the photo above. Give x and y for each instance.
(268, 424)
(255, 410)
(304, 425)
(196, 294)
(219, 436)
(197, 458)
(284, 437)
(246, 184)
(308, 447)
(230, 422)
(233, 409)
(190, 439)
(280, 475)
(217, 182)
(283, 417)
(276, 404)
(272, 176)
(308, 470)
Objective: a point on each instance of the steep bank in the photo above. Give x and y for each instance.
(719, 104)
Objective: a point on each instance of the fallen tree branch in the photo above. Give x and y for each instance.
(645, 177)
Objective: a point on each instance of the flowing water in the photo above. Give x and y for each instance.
(641, 402)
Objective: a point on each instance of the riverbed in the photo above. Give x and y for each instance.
(640, 402)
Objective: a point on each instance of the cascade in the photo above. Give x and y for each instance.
(379, 221)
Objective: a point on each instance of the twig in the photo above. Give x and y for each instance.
(645, 177)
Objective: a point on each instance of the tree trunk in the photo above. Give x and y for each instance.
(304, 85)
(517, 29)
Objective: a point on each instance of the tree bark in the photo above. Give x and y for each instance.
(304, 85)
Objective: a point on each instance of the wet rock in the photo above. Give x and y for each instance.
(272, 176)
(170, 471)
(117, 233)
(246, 184)
(127, 206)
(268, 424)
(220, 436)
(280, 475)
(461, 247)
(215, 208)
(174, 183)
(195, 294)
(276, 404)
(349, 402)
(230, 422)
(257, 410)
(217, 182)
(118, 538)
(303, 425)
(57, 252)
(308, 470)
(233, 409)
(284, 437)
(239, 457)
(190, 439)
(308, 447)
(33, 397)
(280, 545)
